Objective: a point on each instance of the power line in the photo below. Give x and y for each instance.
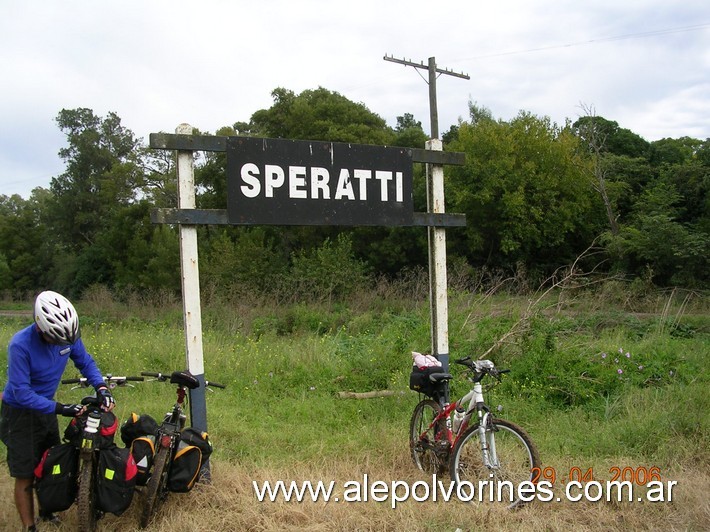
(595, 41)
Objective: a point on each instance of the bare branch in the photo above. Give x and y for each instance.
(563, 276)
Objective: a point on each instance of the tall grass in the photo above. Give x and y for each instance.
(281, 417)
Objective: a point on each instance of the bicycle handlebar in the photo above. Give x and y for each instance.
(108, 379)
(158, 376)
(162, 377)
(482, 367)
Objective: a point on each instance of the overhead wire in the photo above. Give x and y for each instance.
(636, 35)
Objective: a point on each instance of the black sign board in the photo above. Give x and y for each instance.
(293, 182)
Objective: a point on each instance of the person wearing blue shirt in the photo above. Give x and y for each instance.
(37, 357)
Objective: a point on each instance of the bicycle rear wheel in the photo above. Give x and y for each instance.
(86, 500)
(156, 489)
(495, 482)
(427, 447)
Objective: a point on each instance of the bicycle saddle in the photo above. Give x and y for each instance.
(440, 377)
(184, 378)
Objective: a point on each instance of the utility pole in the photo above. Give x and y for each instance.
(438, 300)
(433, 71)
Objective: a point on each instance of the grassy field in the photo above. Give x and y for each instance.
(600, 380)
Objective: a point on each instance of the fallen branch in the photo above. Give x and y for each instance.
(365, 395)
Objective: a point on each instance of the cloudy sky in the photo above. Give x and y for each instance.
(157, 63)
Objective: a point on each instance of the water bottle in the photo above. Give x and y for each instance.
(459, 414)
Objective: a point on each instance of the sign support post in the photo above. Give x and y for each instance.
(190, 277)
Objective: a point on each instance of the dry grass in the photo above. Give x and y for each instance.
(229, 503)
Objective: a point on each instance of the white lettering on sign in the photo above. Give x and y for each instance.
(345, 187)
(362, 176)
(250, 175)
(273, 178)
(314, 182)
(319, 183)
(297, 182)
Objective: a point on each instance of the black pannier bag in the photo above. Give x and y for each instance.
(115, 479)
(107, 430)
(419, 381)
(138, 434)
(198, 439)
(56, 478)
(143, 451)
(194, 448)
(136, 426)
(185, 469)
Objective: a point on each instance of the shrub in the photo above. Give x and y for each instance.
(328, 273)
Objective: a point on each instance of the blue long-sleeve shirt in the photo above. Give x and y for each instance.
(35, 368)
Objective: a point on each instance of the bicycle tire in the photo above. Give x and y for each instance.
(423, 447)
(517, 456)
(86, 499)
(156, 489)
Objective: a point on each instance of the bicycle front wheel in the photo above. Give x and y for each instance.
(428, 446)
(156, 489)
(510, 461)
(85, 500)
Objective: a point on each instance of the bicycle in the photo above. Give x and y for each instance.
(88, 513)
(167, 440)
(466, 439)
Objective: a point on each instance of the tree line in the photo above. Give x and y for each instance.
(536, 194)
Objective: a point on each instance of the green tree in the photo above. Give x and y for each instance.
(674, 151)
(25, 240)
(211, 177)
(656, 241)
(320, 114)
(5, 274)
(330, 272)
(524, 191)
(409, 132)
(243, 259)
(159, 176)
(99, 204)
(161, 257)
(102, 175)
(612, 138)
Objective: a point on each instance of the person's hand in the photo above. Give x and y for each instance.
(106, 399)
(70, 410)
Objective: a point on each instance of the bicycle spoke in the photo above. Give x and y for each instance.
(428, 446)
(511, 458)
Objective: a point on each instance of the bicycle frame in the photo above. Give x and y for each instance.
(474, 399)
(445, 415)
(174, 421)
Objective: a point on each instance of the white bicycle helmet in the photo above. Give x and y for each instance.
(56, 318)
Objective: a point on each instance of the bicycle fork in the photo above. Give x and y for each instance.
(486, 435)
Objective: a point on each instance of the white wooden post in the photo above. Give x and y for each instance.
(190, 273)
(437, 262)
